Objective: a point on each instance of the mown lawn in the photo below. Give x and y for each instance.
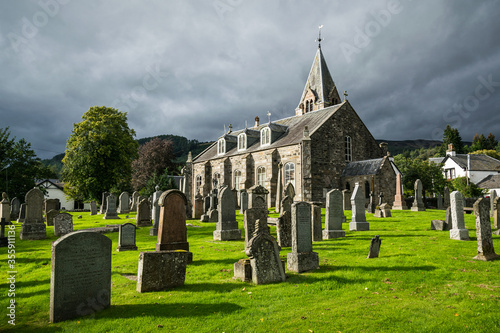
(422, 282)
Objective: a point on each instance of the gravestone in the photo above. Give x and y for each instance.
(250, 218)
(4, 241)
(346, 196)
(264, 254)
(458, 230)
(161, 270)
(493, 195)
(439, 199)
(333, 215)
(52, 204)
(418, 203)
(317, 228)
(198, 206)
(243, 201)
(289, 191)
(123, 203)
(111, 213)
(257, 197)
(243, 270)
(80, 281)
(143, 217)
(22, 213)
(213, 213)
(385, 209)
(358, 221)
(438, 225)
(496, 215)
(49, 216)
(279, 189)
(446, 197)
(399, 199)
(135, 201)
(302, 258)
(5, 207)
(33, 226)
(284, 229)
(172, 232)
(227, 226)
(378, 212)
(206, 208)
(371, 204)
(374, 247)
(63, 224)
(380, 198)
(104, 202)
(93, 208)
(447, 221)
(126, 237)
(155, 213)
(485, 249)
(15, 208)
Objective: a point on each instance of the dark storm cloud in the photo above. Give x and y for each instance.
(191, 68)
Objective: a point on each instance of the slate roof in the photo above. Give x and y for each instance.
(54, 182)
(478, 162)
(363, 168)
(492, 181)
(292, 127)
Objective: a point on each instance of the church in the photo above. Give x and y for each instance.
(323, 145)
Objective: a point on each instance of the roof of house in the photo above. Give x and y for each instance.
(491, 181)
(363, 168)
(54, 182)
(479, 162)
(292, 129)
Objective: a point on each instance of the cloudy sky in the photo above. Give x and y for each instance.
(190, 67)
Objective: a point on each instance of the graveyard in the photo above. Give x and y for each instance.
(421, 281)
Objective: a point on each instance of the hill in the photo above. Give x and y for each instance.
(397, 147)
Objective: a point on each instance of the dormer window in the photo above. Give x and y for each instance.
(221, 147)
(265, 136)
(242, 141)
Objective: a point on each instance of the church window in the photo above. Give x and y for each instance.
(237, 179)
(221, 146)
(290, 173)
(348, 186)
(307, 106)
(198, 183)
(265, 136)
(310, 106)
(216, 180)
(242, 141)
(348, 148)
(261, 176)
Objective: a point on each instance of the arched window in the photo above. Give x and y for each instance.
(242, 141)
(261, 176)
(221, 146)
(310, 106)
(216, 180)
(265, 136)
(348, 186)
(307, 106)
(237, 179)
(290, 173)
(348, 148)
(198, 183)
(334, 101)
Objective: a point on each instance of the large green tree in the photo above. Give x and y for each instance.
(452, 136)
(99, 154)
(429, 173)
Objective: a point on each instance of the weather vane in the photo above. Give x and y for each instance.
(319, 36)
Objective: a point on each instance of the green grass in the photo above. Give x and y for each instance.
(422, 282)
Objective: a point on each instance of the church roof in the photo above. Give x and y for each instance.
(363, 168)
(319, 80)
(291, 129)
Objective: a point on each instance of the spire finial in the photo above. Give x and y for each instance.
(345, 95)
(269, 116)
(319, 36)
(230, 129)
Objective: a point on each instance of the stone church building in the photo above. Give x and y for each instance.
(322, 145)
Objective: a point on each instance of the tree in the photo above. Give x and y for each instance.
(452, 136)
(154, 157)
(99, 154)
(429, 173)
(164, 181)
(489, 152)
(468, 191)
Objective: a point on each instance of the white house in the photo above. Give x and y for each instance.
(55, 191)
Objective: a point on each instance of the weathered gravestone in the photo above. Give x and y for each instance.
(155, 213)
(243, 201)
(257, 197)
(371, 204)
(126, 237)
(111, 213)
(5, 207)
(439, 201)
(49, 216)
(123, 203)
(493, 195)
(104, 202)
(172, 231)
(161, 270)
(264, 254)
(227, 226)
(198, 206)
(63, 224)
(250, 218)
(316, 227)
(485, 250)
(446, 197)
(302, 258)
(135, 201)
(289, 191)
(93, 208)
(418, 203)
(442, 225)
(206, 207)
(143, 218)
(52, 204)
(22, 213)
(333, 215)
(358, 221)
(496, 215)
(458, 230)
(284, 224)
(399, 199)
(80, 281)
(15, 208)
(385, 209)
(374, 247)
(33, 226)
(213, 213)
(346, 196)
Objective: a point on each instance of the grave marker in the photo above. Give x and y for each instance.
(485, 249)
(126, 237)
(358, 221)
(418, 203)
(227, 226)
(143, 217)
(374, 247)
(63, 224)
(399, 199)
(458, 230)
(111, 213)
(33, 226)
(123, 203)
(333, 215)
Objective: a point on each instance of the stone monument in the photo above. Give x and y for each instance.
(358, 221)
(418, 203)
(399, 198)
(33, 226)
(458, 230)
(227, 226)
(333, 215)
(126, 237)
(63, 224)
(111, 213)
(485, 250)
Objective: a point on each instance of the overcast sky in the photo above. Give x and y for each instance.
(190, 67)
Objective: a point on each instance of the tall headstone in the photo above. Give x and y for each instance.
(316, 227)
(493, 195)
(172, 231)
(49, 216)
(111, 212)
(143, 217)
(63, 224)
(126, 237)
(496, 215)
(284, 224)
(346, 195)
(135, 201)
(264, 254)
(446, 197)
(279, 189)
(399, 199)
(213, 213)
(198, 206)
(257, 197)
(302, 258)
(458, 230)
(80, 281)
(251, 216)
(52, 204)
(358, 221)
(93, 208)
(243, 201)
(374, 247)
(22, 213)
(155, 212)
(15, 208)
(418, 203)
(333, 215)
(124, 203)
(5, 207)
(227, 226)
(439, 199)
(104, 202)
(33, 226)
(485, 250)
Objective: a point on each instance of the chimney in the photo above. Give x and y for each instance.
(385, 148)
(450, 151)
(257, 121)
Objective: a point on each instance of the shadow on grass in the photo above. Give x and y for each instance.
(310, 279)
(215, 261)
(378, 268)
(42, 285)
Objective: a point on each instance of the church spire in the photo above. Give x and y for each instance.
(320, 90)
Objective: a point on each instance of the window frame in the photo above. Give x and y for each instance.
(289, 173)
(261, 176)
